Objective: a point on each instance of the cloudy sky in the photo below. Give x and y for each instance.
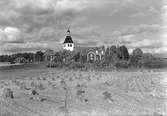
(31, 25)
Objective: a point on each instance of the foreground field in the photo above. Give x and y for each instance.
(76, 93)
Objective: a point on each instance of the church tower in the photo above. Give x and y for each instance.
(68, 42)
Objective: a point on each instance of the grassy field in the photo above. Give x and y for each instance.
(78, 93)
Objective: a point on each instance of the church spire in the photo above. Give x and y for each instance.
(68, 33)
(68, 38)
(68, 42)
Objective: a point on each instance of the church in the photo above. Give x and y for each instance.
(93, 53)
(68, 42)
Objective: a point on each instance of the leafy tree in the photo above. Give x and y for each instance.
(137, 52)
(103, 47)
(58, 57)
(113, 50)
(149, 61)
(39, 56)
(107, 56)
(107, 51)
(124, 53)
(113, 54)
(11, 58)
(77, 57)
(83, 58)
(155, 63)
(67, 56)
(136, 57)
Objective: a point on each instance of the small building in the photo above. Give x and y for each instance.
(68, 42)
(20, 60)
(95, 54)
(92, 54)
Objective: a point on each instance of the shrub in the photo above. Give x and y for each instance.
(76, 65)
(155, 63)
(122, 64)
(34, 92)
(8, 93)
(39, 86)
(108, 96)
(54, 64)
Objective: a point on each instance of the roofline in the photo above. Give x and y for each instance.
(67, 42)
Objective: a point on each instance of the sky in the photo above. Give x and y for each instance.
(31, 25)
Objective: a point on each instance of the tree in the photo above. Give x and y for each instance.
(113, 54)
(137, 52)
(67, 56)
(149, 61)
(77, 57)
(107, 51)
(113, 50)
(136, 57)
(124, 53)
(39, 56)
(58, 57)
(83, 58)
(103, 47)
(107, 56)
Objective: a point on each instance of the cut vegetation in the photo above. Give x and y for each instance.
(77, 93)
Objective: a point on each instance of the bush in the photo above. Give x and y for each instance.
(107, 95)
(76, 65)
(122, 64)
(155, 63)
(8, 93)
(54, 64)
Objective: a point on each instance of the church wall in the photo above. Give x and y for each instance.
(68, 46)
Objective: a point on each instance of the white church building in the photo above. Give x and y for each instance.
(68, 42)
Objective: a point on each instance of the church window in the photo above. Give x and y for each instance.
(97, 52)
(91, 56)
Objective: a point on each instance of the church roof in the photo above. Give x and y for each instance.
(68, 38)
(88, 49)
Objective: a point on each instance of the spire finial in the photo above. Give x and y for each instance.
(68, 32)
(68, 29)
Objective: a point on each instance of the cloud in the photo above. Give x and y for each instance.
(131, 36)
(163, 49)
(23, 47)
(10, 35)
(92, 22)
(39, 6)
(12, 41)
(150, 11)
(132, 33)
(146, 43)
(142, 28)
(71, 4)
(144, 36)
(139, 14)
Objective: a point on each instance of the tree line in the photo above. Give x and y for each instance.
(29, 57)
(114, 57)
